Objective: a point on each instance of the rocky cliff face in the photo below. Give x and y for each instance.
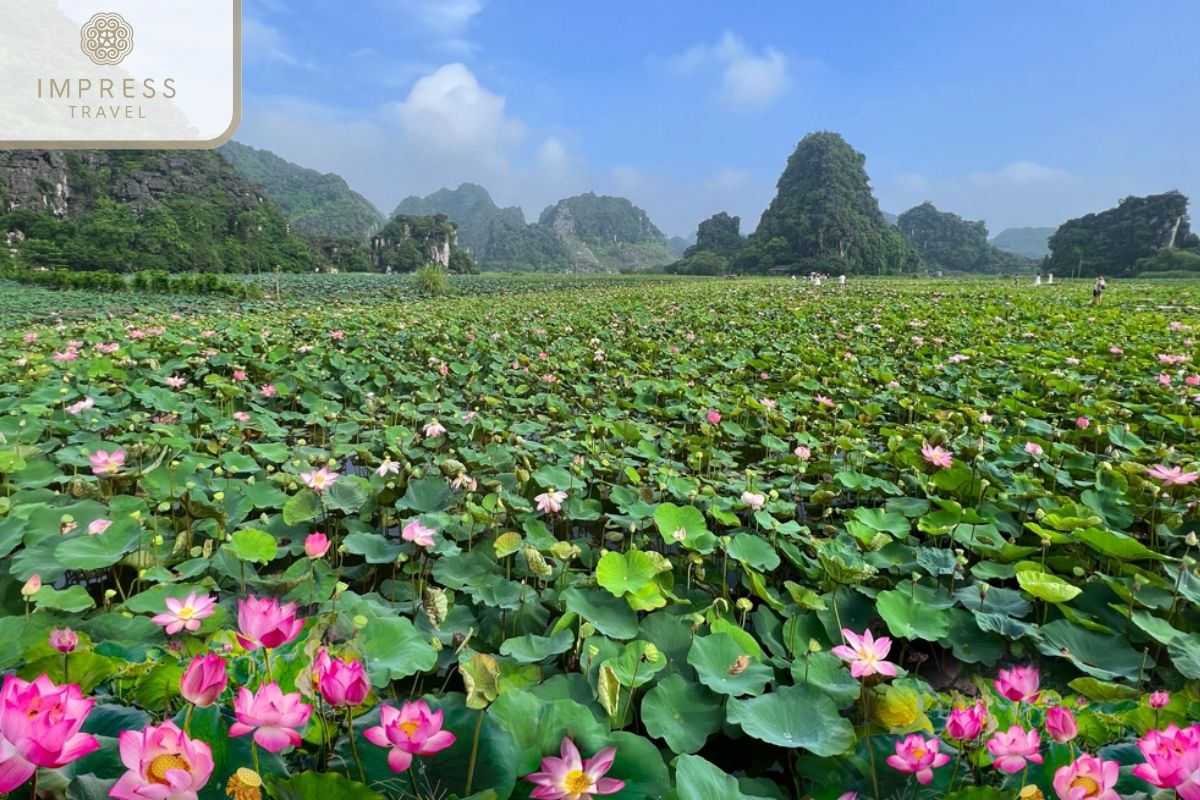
(35, 180)
(408, 241)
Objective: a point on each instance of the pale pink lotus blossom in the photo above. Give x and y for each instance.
(105, 463)
(1172, 476)
(108, 348)
(917, 755)
(1164, 379)
(866, 654)
(64, 640)
(80, 406)
(30, 338)
(1011, 749)
(241, 416)
(570, 777)
(271, 716)
(1082, 423)
(32, 586)
(418, 534)
(175, 382)
(316, 545)
(66, 356)
(412, 730)
(387, 467)
(464, 481)
(239, 374)
(433, 429)
(753, 500)
(802, 452)
(98, 526)
(985, 418)
(714, 417)
(185, 614)
(319, 480)
(937, 456)
(1192, 380)
(1159, 699)
(268, 390)
(1088, 778)
(1019, 684)
(162, 763)
(550, 502)
(337, 335)
(1034, 449)
(823, 401)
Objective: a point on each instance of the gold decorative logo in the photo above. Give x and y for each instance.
(107, 39)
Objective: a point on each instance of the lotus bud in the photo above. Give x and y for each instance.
(218, 496)
(218, 471)
(339, 588)
(587, 630)
(360, 621)
(744, 604)
(1190, 540)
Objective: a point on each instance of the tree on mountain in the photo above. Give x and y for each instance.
(719, 234)
(948, 242)
(826, 217)
(1111, 242)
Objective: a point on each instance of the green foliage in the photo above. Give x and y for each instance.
(720, 234)
(700, 263)
(471, 208)
(825, 217)
(1170, 259)
(948, 242)
(318, 205)
(1112, 242)
(408, 243)
(148, 281)
(431, 279)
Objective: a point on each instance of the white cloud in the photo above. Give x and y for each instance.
(448, 17)
(749, 80)
(265, 43)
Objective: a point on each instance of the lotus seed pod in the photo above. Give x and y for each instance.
(587, 630)
(744, 604)
(218, 496)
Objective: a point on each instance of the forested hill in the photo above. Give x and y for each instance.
(317, 204)
(128, 210)
(1028, 242)
(948, 243)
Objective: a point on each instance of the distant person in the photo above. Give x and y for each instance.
(1050, 278)
(1098, 290)
(1037, 281)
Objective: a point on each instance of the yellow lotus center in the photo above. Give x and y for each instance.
(918, 754)
(576, 782)
(1089, 785)
(249, 778)
(186, 612)
(409, 728)
(157, 773)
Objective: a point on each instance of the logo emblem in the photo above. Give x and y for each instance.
(107, 39)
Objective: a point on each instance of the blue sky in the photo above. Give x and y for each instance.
(1018, 113)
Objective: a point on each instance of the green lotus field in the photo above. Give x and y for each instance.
(627, 538)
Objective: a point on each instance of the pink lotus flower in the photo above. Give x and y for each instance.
(1087, 778)
(753, 500)
(30, 338)
(175, 382)
(1159, 700)
(39, 727)
(262, 622)
(316, 545)
(866, 654)
(412, 730)
(803, 453)
(1172, 760)
(464, 481)
(1082, 423)
(185, 614)
(1034, 449)
(1164, 379)
(83, 405)
(162, 763)
(433, 429)
(1012, 748)
(713, 416)
(1019, 684)
(241, 416)
(268, 390)
(319, 480)
(823, 401)
(387, 467)
(915, 754)
(32, 586)
(98, 526)
(985, 418)
(271, 715)
(66, 356)
(64, 640)
(1061, 725)
(204, 680)
(343, 683)
(1172, 476)
(965, 724)
(104, 463)
(937, 456)
(569, 777)
(1192, 380)
(417, 533)
(550, 502)
(337, 335)
(239, 374)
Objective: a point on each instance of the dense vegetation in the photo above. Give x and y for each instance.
(1028, 242)
(824, 217)
(1112, 242)
(406, 244)
(316, 204)
(718, 242)
(947, 242)
(655, 515)
(477, 216)
(130, 211)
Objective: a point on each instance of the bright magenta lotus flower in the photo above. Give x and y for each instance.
(1082, 423)
(939, 457)
(918, 755)
(270, 715)
(550, 502)
(1061, 725)
(185, 614)
(1172, 760)
(262, 622)
(713, 416)
(569, 777)
(342, 682)
(319, 479)
(105, 463)
(417, 533)
(965, 724)
(411, 730)
(866, 654)
(1172, 476)
(64, 640)
(1012, 748)
(39, 727)
(1019, 684)
(316, 545)
(1087, 778)
(162, 763)
(204, 680)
